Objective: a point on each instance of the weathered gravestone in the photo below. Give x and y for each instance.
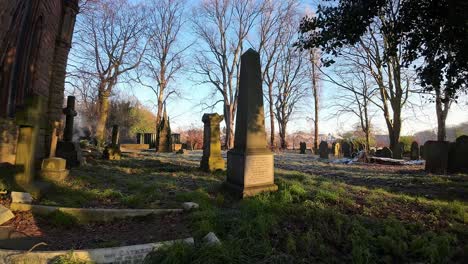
(458, 156)
(421, 152)
(54, 168)
(250, 162)
(176, 144)
(346, 148)
(323, 150)
(414, 151)
(398, 150)
(436, 155)
(163, 140)
(113, 152)
(386, 152)
(303, 147)
(212, 159)
(67, 149)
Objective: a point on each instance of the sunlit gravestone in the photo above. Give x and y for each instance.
(54, 168)
(250, 167)
(212, 159)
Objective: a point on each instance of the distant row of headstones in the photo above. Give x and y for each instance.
(444, 156)
(440, 156)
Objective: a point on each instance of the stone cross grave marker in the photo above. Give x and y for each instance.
(250, 167)
(70, 114)
(212, 159)
(68, 149)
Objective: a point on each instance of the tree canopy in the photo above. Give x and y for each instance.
(433, 35)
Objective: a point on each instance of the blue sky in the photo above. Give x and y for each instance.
(189, 109)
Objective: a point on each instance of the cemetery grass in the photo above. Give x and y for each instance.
(332, 219)
(322, 212)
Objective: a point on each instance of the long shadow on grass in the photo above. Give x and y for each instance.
(415, 183)
(128, 183)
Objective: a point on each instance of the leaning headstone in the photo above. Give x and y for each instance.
(398, 150)
(323, 150)
(303, 147)
(386, 153)
(113, 152)
(163, 138)
(414, 151)
(212, 159)
(458, 156)
(346, 148)
(67, 149)
(54, 168)
(436, 155)
(5, 214)
(250, 162)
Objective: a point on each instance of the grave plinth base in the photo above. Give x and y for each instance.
(70, 151)
(251, 172)
(54, 169)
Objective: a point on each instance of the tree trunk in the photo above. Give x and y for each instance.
(229, 120)
(160, 108)
(316, 124)
(316, 113)
(272, 116)
(442, 108)
(284, 143)
(316, 104)
(367, 140)
(103, 111)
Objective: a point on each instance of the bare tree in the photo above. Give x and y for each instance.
(222, 26)
(165, 57)
(385, 67)
(110, 43)
(357, 89)
(274, 27)
(314, 75)
(290, 88)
